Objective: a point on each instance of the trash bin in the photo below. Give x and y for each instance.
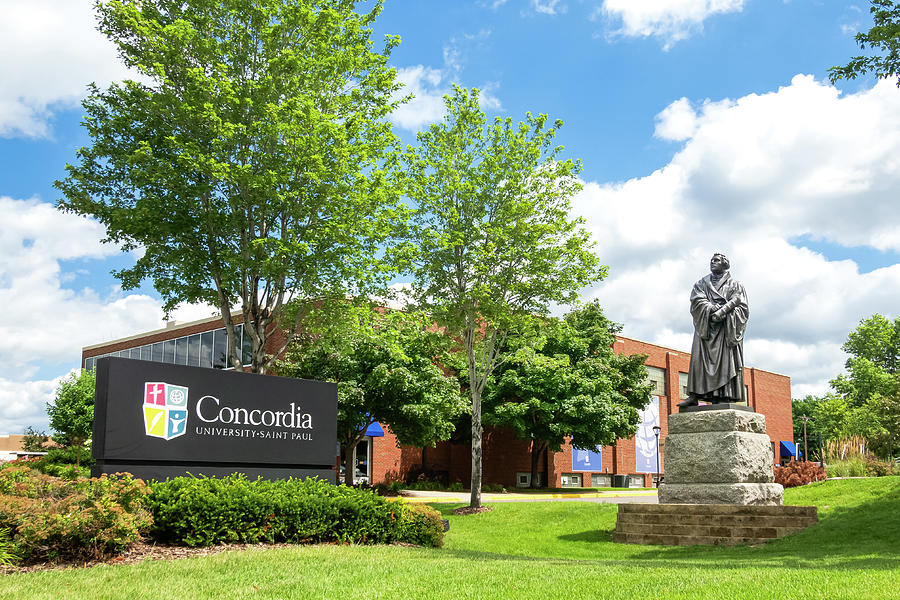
(620, 481)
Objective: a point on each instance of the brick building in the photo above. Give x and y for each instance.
(507, 460)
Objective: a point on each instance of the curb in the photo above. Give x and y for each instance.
(520, 497)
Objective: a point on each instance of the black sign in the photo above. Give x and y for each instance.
(158, 420)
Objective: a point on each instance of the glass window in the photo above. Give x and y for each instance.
(246, 349)
(682, 385)
(169, 351)
(89, 363)
(193, 350)
(134, 353)
(156, 352)
(206, 349)
(145, 352)
(220, 345)
(657, 378)
(181, 351)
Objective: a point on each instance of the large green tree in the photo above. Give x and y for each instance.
(883, 43)
(571, 384)
(72, 410)
(872, 368)
(492, 240)
(389, 368)
(245, 163)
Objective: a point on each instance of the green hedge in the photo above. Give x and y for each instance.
(205, 511)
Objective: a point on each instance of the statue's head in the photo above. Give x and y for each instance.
(718, 264)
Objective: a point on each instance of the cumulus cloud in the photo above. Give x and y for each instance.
(754, 173)
(670, 20)
(429, 85)
(47, 322)
(51, 51)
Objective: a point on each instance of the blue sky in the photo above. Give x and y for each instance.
(702, 125)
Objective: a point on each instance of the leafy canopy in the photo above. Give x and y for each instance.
(572, 384)
(883, 40)
(491, 242)
(72, 410)
(387, 366)
(246, 160)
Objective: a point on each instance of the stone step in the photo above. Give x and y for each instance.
(709, 524)
(719, 509)
(676, 540)
(716, 520)
(722, 531)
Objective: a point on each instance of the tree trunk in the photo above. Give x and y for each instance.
(537, 447)
(477, 430)
(349, 463)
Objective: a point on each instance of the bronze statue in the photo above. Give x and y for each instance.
(720, 311)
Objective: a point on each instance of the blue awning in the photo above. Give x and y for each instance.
(790, 449)
(375, 430)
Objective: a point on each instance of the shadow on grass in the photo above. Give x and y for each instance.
(863, 536)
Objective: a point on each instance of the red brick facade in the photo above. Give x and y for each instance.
(504, 455)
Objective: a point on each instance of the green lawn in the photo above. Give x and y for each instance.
(536, 550)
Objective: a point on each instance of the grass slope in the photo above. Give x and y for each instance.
(536, 550)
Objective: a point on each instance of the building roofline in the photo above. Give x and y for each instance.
(687, 352)
(176, 327)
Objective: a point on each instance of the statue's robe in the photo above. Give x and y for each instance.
(717, 353)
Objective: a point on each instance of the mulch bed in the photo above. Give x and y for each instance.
(136, 553)
(468, 510)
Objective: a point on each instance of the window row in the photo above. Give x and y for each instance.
(208, 349)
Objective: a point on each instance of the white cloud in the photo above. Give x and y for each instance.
(429, 85)
(754, 173)
(47, 321)
(51, 51)
(676, 122)
(671, 20)
(548, 7)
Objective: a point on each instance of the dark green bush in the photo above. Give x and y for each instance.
(205, 511)
(422, 525)
(52, 518)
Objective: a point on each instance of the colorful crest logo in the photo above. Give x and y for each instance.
(165, 410)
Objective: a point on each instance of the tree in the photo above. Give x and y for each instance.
(883, 38)
(34, 439)
(388, 369)
(802, 410)
(573, 384)
(72, 411)
(874, 349)
(247, 162)
(491, 239)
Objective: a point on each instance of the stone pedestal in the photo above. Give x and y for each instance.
(719, 457)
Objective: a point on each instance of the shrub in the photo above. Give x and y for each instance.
(52, 518)
(878, 468)
(7, 554)
(854, 466)
(205, 511)
(422, 525)
(799, 473)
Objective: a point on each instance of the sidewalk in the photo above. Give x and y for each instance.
(615, 497)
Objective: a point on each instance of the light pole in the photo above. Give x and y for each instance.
(656, 430)
(805, 420)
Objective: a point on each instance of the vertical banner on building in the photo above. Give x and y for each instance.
(645, 439)
(587, 460)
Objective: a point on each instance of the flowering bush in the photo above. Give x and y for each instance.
(799, 473)
(51, 518)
